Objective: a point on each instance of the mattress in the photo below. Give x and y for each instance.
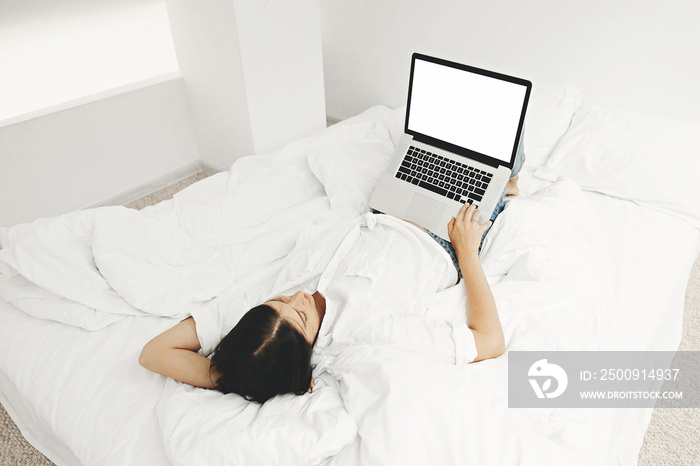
(74, 387)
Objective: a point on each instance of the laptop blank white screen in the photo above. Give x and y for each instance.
(470, 110)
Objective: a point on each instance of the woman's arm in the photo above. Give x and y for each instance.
(482, 316)
(173, 353)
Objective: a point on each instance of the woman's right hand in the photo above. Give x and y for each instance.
(465, 232)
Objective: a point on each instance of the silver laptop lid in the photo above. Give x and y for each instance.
(465, 110)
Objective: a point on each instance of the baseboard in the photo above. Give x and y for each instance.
(330, 121)
(208, 169)
(158, 183)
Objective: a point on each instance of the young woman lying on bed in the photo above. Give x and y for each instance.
(269, 351)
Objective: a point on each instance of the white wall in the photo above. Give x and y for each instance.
(252, 80)
(253, 73)
(636, 54)
(55, 52)
(90, 153)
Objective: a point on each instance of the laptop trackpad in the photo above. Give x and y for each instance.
(425, 211)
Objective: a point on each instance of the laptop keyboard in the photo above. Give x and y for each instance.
(454, 180)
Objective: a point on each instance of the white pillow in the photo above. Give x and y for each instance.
(207, 427)
(646, 159)
(548, 116)
(349, 172)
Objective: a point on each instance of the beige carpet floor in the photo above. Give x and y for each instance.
(673, 437)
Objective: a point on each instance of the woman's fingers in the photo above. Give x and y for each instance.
(486, 226)
(476, 214)
(466, 212)
(461, 213)
(464, 229)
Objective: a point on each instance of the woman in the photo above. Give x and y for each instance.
(269, 351)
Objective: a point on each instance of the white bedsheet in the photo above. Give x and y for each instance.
(569, 270)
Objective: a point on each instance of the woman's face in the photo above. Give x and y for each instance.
(300, 310)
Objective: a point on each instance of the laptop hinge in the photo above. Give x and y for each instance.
(472, 155)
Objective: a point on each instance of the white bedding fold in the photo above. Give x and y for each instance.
(56, 255)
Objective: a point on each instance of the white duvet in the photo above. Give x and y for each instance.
(552, 278)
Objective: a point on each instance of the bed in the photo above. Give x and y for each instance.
(593, 255)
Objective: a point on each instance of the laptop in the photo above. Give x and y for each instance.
(461, 136)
